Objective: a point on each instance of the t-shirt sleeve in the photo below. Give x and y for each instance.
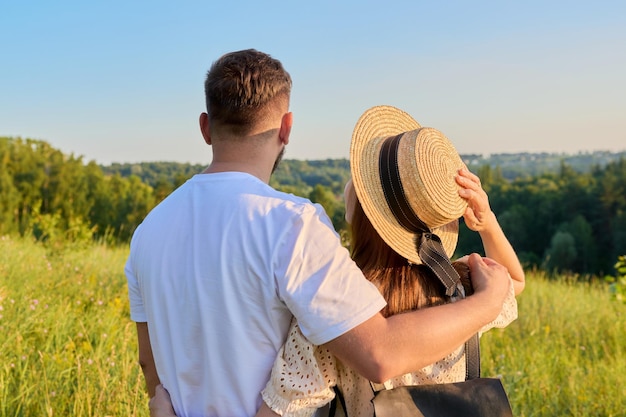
(319, 282)
(137, 311)
(302, 377)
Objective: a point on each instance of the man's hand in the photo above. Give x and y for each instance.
(490, 281)
(161, 405)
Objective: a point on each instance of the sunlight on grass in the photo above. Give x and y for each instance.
(566, 353)
(69, 349)
(68, 346)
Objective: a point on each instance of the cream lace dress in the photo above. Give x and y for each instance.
(304, 374)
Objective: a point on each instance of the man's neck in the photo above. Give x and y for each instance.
(216, 166)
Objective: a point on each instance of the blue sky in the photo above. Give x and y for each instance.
(122, 81)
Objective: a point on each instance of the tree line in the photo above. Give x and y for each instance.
(561, 212)
(57, 197)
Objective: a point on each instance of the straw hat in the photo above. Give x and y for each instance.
(427, 164)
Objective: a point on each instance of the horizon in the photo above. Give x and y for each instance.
(463, 155)
(122, 82)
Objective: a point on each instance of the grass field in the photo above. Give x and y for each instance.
(68, 347)
(566, 353)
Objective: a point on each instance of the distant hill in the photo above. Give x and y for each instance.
(514, 165)
(333, 173)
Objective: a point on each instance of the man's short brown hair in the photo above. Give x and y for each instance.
(242, 87)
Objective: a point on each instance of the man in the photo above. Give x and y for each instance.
(218, 269)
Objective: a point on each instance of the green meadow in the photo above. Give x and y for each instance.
(68, 347)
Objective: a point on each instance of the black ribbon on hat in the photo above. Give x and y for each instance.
(428, 244)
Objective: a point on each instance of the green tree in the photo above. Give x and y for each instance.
(490, 177)
(586, 248)
(65, 190)
(324, 196)
(101, 203)
(131, 201)
(9, 195)
(515, 223)
(27, 166)
(561, 254)
(619, 234)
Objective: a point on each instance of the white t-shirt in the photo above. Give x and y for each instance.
(217, 270)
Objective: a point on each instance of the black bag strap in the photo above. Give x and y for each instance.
(336, 407)
(472, 358)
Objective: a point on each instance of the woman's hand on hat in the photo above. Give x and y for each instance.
(478, 215)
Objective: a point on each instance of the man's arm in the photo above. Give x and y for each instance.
(146, 360)
(381, 348)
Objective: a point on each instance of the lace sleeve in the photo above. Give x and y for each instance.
(302, 377)
(508, 313)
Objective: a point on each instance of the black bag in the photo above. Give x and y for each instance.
(480, 397)
(474, 397)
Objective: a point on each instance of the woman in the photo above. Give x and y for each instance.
(389, 149)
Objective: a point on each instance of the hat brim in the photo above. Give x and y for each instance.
(373, 127)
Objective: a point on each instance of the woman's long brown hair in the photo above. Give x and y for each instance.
(405, 286)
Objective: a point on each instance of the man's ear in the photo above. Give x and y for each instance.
(204, 128)
(285, 127)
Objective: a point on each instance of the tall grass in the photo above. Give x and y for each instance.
(566, 353)
(68, 347)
